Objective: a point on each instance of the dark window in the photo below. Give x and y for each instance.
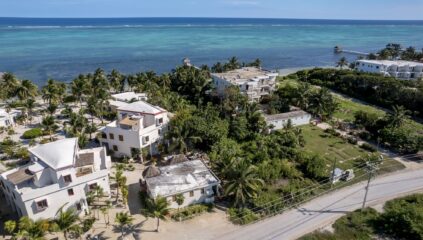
(202, 191)
(160, 120)
(41, 205)
(121, 138)
(67, 178)
(78, 207)
(111, 136)
(146, 139)
(70, 192)
(92, 186)
(191, 194)
(115, 148)
(104, 135)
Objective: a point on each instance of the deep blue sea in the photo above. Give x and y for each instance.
(39, 49)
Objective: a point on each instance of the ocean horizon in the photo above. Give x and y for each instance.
(61, 48)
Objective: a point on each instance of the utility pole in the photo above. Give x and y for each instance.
(371, 167)
(333, 172)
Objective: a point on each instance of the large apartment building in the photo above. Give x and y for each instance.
(139, 125)
(252, 81)
(404, 70)
(59, 175)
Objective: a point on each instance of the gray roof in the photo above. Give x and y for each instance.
(286, 116)
(151, 171)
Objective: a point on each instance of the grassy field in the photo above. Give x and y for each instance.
(331, 148)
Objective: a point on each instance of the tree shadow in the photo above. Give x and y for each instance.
(134, 202)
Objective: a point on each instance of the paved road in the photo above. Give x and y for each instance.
(326, 209)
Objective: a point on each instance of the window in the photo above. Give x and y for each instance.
(67, 178)
(121, 138)
(78, 207)
(41, 205)
(191, 193)
(111, 136)
(146, 139)
(115, 148)
(160, 132)
(203, 191)
(92, 186)
(70, 192)
(160, 120)
(103, 135)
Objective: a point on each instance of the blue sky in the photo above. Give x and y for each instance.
(322, 9)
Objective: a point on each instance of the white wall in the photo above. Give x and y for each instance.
(296, 121)
(195, 199)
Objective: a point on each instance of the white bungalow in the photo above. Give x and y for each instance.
(279, 121)
(191, 178)
(122, 99)
(58, 175)
(405, 70)
(139, 125)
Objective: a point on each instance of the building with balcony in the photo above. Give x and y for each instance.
(59, 174)
(7, 118)
(252, 81)
(191, 178)
(139, 125)
(404, 70)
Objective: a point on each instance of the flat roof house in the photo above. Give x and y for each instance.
(404, 70)
(191, 178)
(59, 174)
(122, 99)
(252, 81)
(297, 117)
(139, 125)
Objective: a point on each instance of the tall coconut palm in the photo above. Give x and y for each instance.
(233, 63)
(243, 182)
(53, 91)
(65, 221)
(120, 180)
(26, 89)
(8, 85)
(79, 88)
(29, 107)
(343, 62)
(157, 208)
(123, 219)
(49, 125)
(398, 116)
(116, 79)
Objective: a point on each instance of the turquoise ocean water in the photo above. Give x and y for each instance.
(38, 49)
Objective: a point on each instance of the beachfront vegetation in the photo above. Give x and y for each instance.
(401, 219)
(395, 50)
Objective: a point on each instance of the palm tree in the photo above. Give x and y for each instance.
(49, 125)
(9, 85)
(233, 63)
(398, 116)
(243, 182)
(120, 180)
(65, 221)
(32, 230)
(9, 227)
(217, 67)
(116, 80)
(53, 92)
(342, 62)
(79, 88)
(157, 208)
(123, 219)
(323, 104)
(29, 106)
(26, 89)
(179, 200)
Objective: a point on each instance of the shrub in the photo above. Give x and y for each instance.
(242, 216)
(352, 140)
(191, 211)
(365, 135)
(87, 224)
(368, 147)
(332, 132)
(264, 198)
(32, 133)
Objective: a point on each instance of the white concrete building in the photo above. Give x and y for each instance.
(59, 174)
(192, 179)
(139, 125)
(8, 118)
(279, 121)
(252, 81)
(404, 70)
(122, 99)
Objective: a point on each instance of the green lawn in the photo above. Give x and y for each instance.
(331, 147)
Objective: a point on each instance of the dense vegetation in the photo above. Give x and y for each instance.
(402, 219)
(395, 50)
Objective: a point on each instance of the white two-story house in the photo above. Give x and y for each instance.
(58, 175)
(139, 125)
(252, 81)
